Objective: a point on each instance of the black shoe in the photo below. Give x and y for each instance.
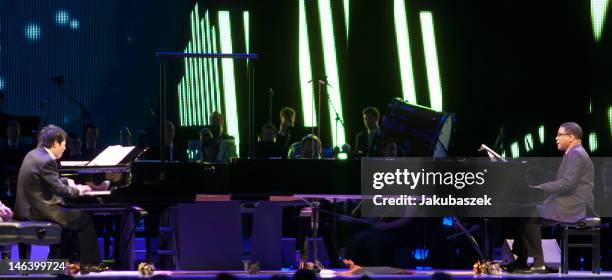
(534, 269)
(514, 266)
(87, 268)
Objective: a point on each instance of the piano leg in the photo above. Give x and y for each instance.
(124, 240)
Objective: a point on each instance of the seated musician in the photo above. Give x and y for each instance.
(288, 133)
(208, 146)
(221, 147)
(569, 198)
(12, 152)
(73, 145)
(91, 148)
(174, 151)
(367, 141)
(40, 193)
(13, 138)
(389, 148)
(267, 147)
(308, 148)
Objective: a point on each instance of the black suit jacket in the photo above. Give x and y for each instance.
(40, 189)
(570, 195)
(295, 134)
(154, 153)
(366, 149)
(13, 156)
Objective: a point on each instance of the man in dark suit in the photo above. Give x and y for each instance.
(91, 148)
(569, 198)
(40, 193)
(367, 143)
(12, 152)
(287, 133)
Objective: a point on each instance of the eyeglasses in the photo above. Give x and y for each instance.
(562, 134)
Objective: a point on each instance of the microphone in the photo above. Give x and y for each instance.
(271, 91)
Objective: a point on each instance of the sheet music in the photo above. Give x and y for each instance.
(73, 163)
(112, 155)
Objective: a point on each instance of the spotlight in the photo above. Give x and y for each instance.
(62, 17)
(33, 32)
(74, 24)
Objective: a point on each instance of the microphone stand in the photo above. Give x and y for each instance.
(84, 112)
(45, 107)
(333, 107)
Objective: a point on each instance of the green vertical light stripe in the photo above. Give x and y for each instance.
(185, 105)
(204, 62)
(247, 26)
(514, 147)
(199, 69)
(216, 71)
(194, 69)
(593, 142)
(306, 88)
(188, 115)
(331, 71)
(431, 61)
(599, 9)
(610, 120)
(404, 55)
(541, 134)
(528, 142)
(187, 90)
(211, 88)
(181, 105)
(229, 86)
(194, 88)
(346, 16)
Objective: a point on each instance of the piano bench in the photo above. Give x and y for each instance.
(586, 227)
(30, 232)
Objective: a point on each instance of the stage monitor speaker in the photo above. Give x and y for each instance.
(552, 252)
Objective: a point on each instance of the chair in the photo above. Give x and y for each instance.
(584, 227)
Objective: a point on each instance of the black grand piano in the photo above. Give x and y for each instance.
(150, 187)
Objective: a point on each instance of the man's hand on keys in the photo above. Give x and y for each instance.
(83, 189)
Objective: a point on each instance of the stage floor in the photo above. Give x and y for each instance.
(419, 274)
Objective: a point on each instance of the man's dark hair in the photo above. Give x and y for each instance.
(268, 126)
(372, 111)
(72, 135)
(92, 126)
(50, 134)
(573, 128)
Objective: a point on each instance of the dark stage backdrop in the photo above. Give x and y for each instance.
(518, 65)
